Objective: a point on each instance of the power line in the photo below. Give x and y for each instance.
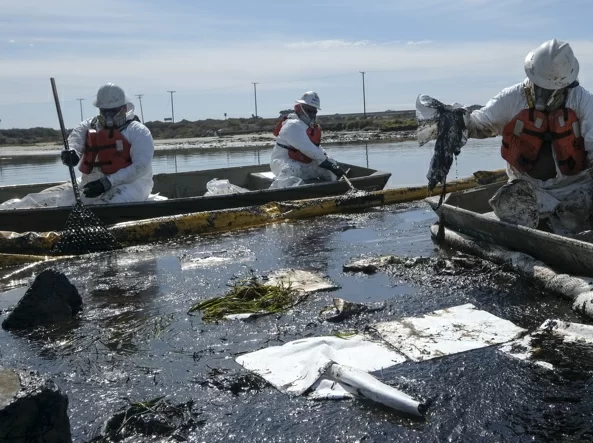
(141, 111)
(364, 100)
(172, 109)
(255, 95)
(80, 100)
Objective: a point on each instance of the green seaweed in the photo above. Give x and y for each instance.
(345, 334)
(248, 296)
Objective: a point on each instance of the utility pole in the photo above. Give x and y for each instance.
(255, 95)
(364, 101)
(172, 111)
(80, 100)
(141, 111)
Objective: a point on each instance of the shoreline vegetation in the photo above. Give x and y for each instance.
(254, 132)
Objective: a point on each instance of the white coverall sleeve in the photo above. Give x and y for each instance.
(141, 152)
(77, 137)
(493, 117)
(584, 110)
(296, 136)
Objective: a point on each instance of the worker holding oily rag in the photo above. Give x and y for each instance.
(546, 124)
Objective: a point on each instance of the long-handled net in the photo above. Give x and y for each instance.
(84, 232)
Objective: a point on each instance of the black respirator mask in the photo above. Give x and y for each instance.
(307, 114)
(112, 118)
(550, 99)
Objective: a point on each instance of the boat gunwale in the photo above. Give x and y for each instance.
(501, 233)
(523, 229)
(375, 175)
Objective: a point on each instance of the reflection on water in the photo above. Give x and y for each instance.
(407, 162)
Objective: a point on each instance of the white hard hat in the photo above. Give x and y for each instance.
(552, 65)
(310, 98)
(110, 96)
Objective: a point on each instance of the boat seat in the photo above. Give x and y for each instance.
(260, 180)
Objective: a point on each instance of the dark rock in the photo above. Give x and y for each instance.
(153, 418)
(50, 299)
(415, 261)
(457, 265)
(32, 409)
(343, 309)
(235, 384)
(371, 265)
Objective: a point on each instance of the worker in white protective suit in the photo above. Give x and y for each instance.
(297, 157)
(113, 151)
(546, 123)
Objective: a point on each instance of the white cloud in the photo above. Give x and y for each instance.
(205, 68)
(332, 44)
(419, 42)
(326, 44)
(11, 41)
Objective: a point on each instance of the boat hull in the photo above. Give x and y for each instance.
(185, 195)
(468, 212)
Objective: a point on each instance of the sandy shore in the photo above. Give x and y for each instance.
(256, 140)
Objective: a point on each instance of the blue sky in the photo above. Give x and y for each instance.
(209, 52)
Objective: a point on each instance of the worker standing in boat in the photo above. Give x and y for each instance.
(113, 151)
(297, 157)
(546, 123)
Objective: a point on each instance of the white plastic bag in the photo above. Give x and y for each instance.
(33, 200)
(222, 187)
(286, 182)
(156, 197)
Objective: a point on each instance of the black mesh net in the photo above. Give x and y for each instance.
(84, 233)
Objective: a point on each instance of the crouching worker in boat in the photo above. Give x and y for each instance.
(113, 151)
(546, 123)
(297, 157)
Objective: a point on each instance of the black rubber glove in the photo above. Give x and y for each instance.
(332, 167)
(96, 188)
(69, 157)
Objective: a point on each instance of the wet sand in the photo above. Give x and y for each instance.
(257, 140)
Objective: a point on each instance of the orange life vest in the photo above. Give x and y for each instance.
(107, 149)
(313, 133)
(524, 136)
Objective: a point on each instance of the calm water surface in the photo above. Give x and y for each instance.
(407, 162)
